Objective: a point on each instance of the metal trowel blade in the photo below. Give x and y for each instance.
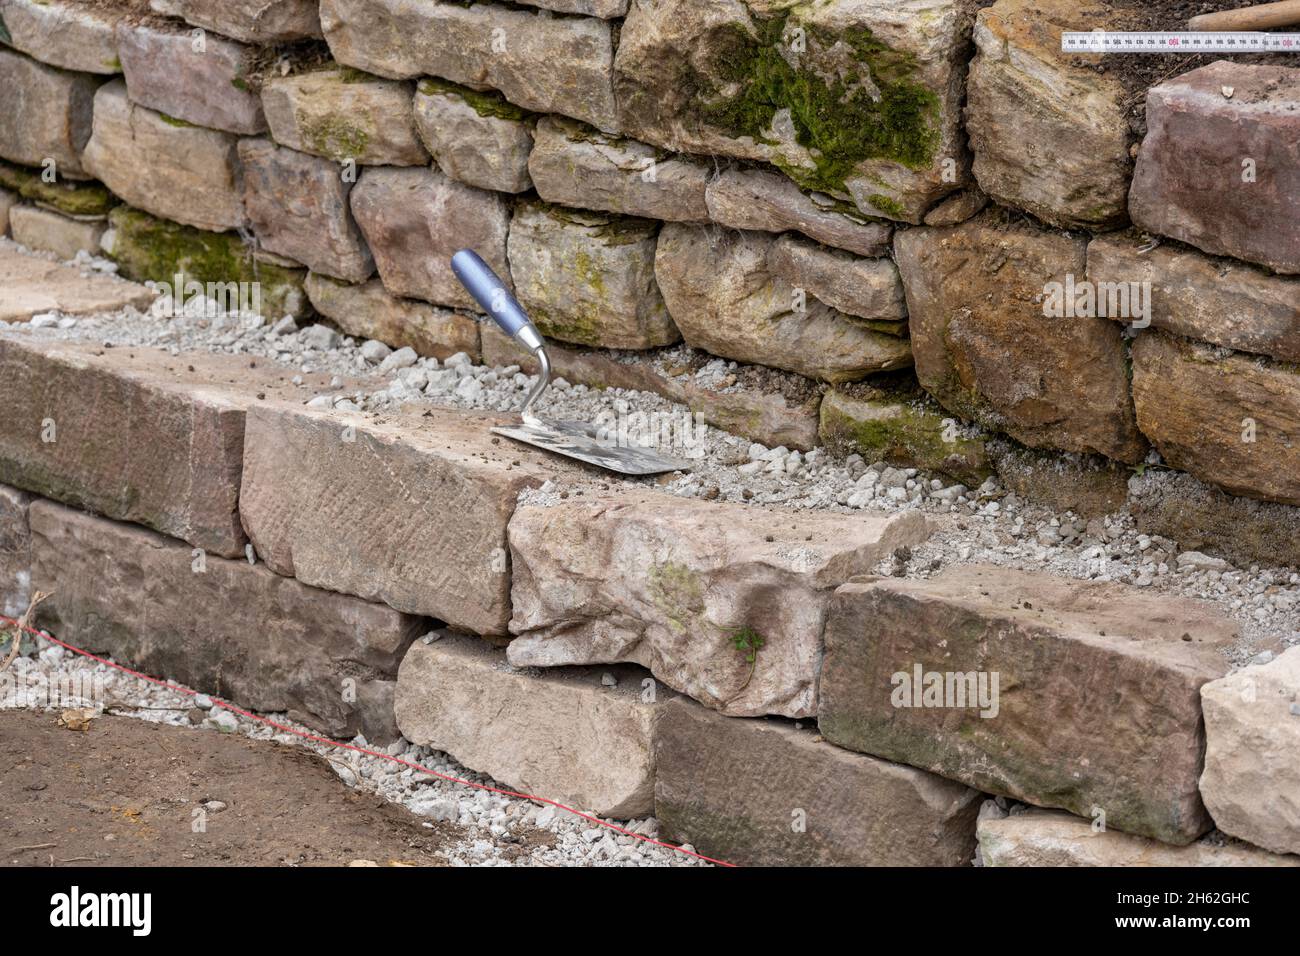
(579, 441)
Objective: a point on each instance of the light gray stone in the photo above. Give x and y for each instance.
(49, 231)
(476, 138)
(252, 21)
(868, 288)
(64, 33)
(45, 114)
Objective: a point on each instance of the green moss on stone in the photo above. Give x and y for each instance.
(880, 114)
(677, 592)
(173, 121)
(488, 103)
(73, 198)
(333, 136)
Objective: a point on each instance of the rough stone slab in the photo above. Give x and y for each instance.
(223, 627)
(15, 552)
(1251, 783)
(958, 207)
(769, 202)
(668, 582)
(1203, 518)
(81, 199)
(589, 278)
(252, 21)
(976, 296)
(54, 232)
(734, 788)
(415, 220)
(1189, 179)
(1050, 134)
(1222, 301)
(138, 434)
(724, 299)
(476, 138)
(207, 87)
(1098, 702)
(867, 288)
(164, 166)
(69, 35)
(539, 62)
(1232, 420)
(1051, 838)
(561, 735)
(901, 428)
(768, 417)
(410, 511)
(155, 250)
(30, 286)
(757, 80)
(298, 207)
(1089, 485)
(45, 114)
(577, 165)
(341, 116)
(368, 312)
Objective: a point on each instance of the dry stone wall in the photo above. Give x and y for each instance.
(973, 255)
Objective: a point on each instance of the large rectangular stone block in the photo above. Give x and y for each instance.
(1081, 695)
(32, 286)
(540, 62)
(408, 509)
(135, 434)
(45, 114)
(69, 34)
(223, 627)
(252, 21)
(767, 793)
(565, 735)
(674, 583)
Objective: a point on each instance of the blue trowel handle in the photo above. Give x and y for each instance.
(490, 292)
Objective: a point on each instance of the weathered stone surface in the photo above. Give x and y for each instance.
(771, 417)
(1232, 420)
(298, 207)
(724, 300)
(343, 116)
(577, 165)
(165, 166)
(15, 553)
(729, 787)
(30, 286)
(409, 474)
(1251, 783)
(50, 231)
(1201, 517)
(1051, 838)
(476, 138)
(1214, 300)
(64, 33)
(45, 114)
(903, 429)
(1096, 704)
(133, 434)
(223, 627)
(368, 312)
(7, 201)
(857, 98)
(208, 86)
(415, 220)
(754, 199)
(589, 278)
(868, 288)
(155, 250)
(1088, 485)
(668, 583)
(605, 9)
(958, 207)
(977, 296)
(561, 735)
(543, 63)
(74, 198)
(1050, 134)
(252, 21)
(1222, 173)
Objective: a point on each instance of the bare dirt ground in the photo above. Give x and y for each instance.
(124, 793)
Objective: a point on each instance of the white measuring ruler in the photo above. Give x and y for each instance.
(1105, 41)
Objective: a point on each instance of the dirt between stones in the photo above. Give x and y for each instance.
(124, 792)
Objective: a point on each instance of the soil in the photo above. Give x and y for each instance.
(124, 792)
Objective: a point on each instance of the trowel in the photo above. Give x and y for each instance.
(576, 440)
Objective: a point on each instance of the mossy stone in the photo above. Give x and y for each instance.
(73, 198)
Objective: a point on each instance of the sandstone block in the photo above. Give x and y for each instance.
(45, 114)
(54, 232)
(561, 735)
(475, 138)
(64, 33)
(867, 288)
(733, 788)
(252, 21)
(32, 286)
(1079, 695)
(669, 583)
(366, 311)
